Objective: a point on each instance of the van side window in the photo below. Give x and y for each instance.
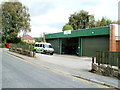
(36, 45)
(43, 46)
(40, 45)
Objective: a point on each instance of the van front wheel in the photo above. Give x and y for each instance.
(44, 52)
(35, 50)
(51, 53)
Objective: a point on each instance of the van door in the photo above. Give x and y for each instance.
(41, 47)
(36, 47)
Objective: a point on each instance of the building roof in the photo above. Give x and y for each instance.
(80, 33)
(27, 37)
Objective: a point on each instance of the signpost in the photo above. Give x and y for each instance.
(67, 32)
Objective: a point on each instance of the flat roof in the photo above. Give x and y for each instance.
(81, 33)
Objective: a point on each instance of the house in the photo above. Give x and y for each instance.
(28, 39)
(114, 38)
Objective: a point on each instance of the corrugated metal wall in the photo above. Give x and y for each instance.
(89, 45)
(54, 43)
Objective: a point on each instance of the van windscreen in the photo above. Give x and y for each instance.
(48, 46)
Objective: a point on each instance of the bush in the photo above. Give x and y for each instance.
(2, 45)
(22, 42)
(67, 27)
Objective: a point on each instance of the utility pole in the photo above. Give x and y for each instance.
(44, 40)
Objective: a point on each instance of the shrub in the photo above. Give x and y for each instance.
(67, 27)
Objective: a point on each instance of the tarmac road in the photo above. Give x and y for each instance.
(20, 74)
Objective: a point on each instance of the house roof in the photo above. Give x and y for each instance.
(27, 37)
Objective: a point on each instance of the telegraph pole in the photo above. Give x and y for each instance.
(44, 40)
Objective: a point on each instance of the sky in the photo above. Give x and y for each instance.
(49, 16)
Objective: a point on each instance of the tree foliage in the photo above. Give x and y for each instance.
(103, 22)
(117, 22)
(13, 40)
(39, 39)
(67, 27)
(15, 18)
(81, 20)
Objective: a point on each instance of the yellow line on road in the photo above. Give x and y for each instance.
(58, 72)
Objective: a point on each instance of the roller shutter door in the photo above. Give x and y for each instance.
(92, 44)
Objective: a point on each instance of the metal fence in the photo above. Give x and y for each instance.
(22, 46)
(108, 58)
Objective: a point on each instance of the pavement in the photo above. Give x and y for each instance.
(73, 65)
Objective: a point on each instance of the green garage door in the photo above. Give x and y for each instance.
(54, 43)
(92, 44)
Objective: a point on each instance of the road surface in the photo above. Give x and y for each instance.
(19, 74)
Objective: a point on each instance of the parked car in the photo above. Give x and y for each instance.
(43, 48)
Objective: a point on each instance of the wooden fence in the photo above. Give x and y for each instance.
(108, 58)
(25, 49)
(23, 46)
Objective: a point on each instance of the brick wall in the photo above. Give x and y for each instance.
(118, 45)
(112, 39)
(114, 44)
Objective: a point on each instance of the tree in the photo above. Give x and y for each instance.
(103, 22)
(98, 23)
(67, 27)
(81, 20)
(91, 23)
(14, 40)
(117, 22)
(15, 18)
(39, 39)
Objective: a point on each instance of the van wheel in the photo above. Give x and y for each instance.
(35, 50)
(44, 52)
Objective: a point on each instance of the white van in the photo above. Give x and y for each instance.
(43, 48)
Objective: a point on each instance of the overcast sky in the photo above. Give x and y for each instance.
(49, 16)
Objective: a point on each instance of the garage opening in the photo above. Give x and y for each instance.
(70, 46)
